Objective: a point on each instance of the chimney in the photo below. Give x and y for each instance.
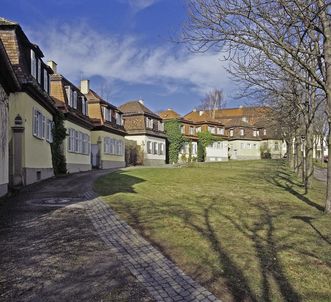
(85, 86)
(52, 65)
(141, 102)
(201, 112)
(194, 109)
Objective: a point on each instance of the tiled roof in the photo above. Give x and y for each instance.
(93, 96)
(134, 107)
(169, 114)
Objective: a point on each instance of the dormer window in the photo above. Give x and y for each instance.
(33, 64)
(242, 132)
(45, 80)
(231, 132)
(182, 129)
(74, 104)
(160, 126)
(254, 132)
(106, 114)
(69, 95)
(257, 133)
(211, 129)
(198, 129)
(264, 132)
(192, 130)
(119, 120)
(244, 119)
(84, 106)
(39, 71)
(149, 123)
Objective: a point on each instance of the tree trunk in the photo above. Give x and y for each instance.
(309, 164)
(327, 57)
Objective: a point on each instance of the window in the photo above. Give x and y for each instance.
(242, 132)
(74, 102)
(86, 144)
(149, 123)
(276, 146)
(149, 147)
(264, 132)
(45, 80)
(182, 129)
(231, 132)
(198, 129)
(194, 149)
(69, 95)
(106, 114)
(33, 64)
(84, 106)
(257, 133)
(49, 128)
(113, 146)
(161, 148)
(211, 129)
(254, 132)
(39, 124)
(242, 146)
(220, 131)
(39, 71)
(154, 147)
(192, 132)
(244, 119)
(249, 146)
(119, 120)
(76, 144)
(160, 126)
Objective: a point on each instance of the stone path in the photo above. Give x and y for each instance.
(163, 279)
(320, 174)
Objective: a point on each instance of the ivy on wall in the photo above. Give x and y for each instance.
(205, 138)
(59, 134)
(175, 140)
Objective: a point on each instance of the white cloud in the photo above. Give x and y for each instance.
(81, 50)
(138, 5)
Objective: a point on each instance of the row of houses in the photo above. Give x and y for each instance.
(33, 92)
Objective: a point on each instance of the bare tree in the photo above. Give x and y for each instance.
(212, 101)
(294, 35)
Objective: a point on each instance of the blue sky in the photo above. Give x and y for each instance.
(125, 48)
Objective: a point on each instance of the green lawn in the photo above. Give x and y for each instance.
(243, 229)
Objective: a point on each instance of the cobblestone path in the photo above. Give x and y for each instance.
(163, 279)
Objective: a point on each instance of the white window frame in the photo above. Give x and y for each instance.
(38, 124)
(242, 132)
(231, 132)
(149, 147)
(69, 95)
(45, 80)
(33, 63)
(74, 102)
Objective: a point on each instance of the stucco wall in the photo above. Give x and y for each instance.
(218, 151)
(37, 152)
(76, 162)
(239, 149)
(142, 140)
(4, 174)
(96, 135)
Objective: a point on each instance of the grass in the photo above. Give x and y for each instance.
(245, 230)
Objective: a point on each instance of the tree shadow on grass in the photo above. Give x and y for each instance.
(116, 182)
(284, 180)
(266, 249)
(308, 220)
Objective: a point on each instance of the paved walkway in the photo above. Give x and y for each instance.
(50, 250)
(163, 279)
